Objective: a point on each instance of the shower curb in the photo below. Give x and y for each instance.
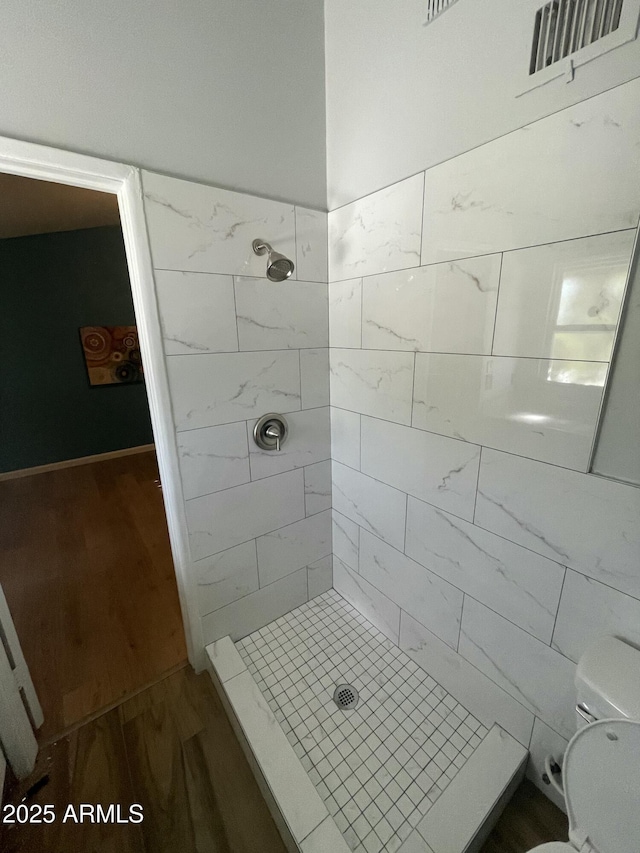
(458, 822)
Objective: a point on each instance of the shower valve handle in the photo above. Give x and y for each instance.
(273, 431)
(270, 432)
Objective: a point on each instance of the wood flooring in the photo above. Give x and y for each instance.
(86, 567)
(529, 819)
(170, 749)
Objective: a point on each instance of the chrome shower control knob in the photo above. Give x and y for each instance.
(270, 432)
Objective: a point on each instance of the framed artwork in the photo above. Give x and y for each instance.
(111, 354)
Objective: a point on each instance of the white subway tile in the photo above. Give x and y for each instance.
(582, 521)
(436, 469)
(345, 437)
(224, 519)
(346, 539)
(291, 548)
(369, 601)
(373, 383)
(530, 186)
(533, 673)
(416, 590)
(281, 315)
(213, 458)
(317, 487)
(223, 388)
(377, 233)
(376, 507)
(314, 377)
(254, 611)
(226, 577)
(467, 684)
(197, 312)
(206, 229)
(447, 307)
(518, 584)
(345, 313)
(589, 610)
(545, 410)
(312, 245)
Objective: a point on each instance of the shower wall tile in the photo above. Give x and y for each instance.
(518, 584)
(312, 245)
(320, 576)
(317, 487)
(373, 383)
(213, 458)
(585, 522)
(578, 283)
(589, 610)
(308, 442)
(224, 519)
(345, 437)
(378, 233)
(226, 577)
(223, 388)
(373, 605)
(197, 312)
(281, 315)
(416, 590)
(314, 377)
(256, 610)
(533, 673)
(345, 313)
(346, 540)
(549, 181)
(374, 506)
(439, 470)
(290, 548)
(207, 229)
(466, 683)
(544, 742)
(441, 308)
(545, 410)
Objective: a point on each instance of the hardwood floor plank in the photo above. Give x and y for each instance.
(207, 822)
(85, 563)
(529, 819)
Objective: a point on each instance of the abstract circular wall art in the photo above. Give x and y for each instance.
(111, 354)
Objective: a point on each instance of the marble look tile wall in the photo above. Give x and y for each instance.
(238, 346)
(465, 390)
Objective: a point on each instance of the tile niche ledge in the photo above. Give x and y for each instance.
(459, 822)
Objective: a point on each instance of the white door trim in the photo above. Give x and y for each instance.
(79, 170)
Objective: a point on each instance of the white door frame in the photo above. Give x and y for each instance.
(79, 170)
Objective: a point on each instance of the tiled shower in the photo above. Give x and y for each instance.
(443, 392)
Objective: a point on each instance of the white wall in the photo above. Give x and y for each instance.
(402, 97)
(463, 414)
(238, 346)
(228, 92)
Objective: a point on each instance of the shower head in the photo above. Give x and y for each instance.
(279, 268)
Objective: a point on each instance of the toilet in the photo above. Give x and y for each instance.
(601, 769)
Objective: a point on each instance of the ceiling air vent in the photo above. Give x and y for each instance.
(437, 7)
(563, 27)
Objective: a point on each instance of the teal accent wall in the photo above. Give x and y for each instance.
(50, 285)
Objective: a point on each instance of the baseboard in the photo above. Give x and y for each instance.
(72, 463)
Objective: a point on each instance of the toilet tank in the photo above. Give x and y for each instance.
(608, 682)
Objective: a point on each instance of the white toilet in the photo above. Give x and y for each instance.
(601, 769)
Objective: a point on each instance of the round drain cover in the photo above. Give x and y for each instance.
(346, 696)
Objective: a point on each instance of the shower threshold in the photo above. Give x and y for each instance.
(407, 768)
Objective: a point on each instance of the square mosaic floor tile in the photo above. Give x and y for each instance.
(379, 765)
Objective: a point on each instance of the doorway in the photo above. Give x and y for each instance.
(86, 560)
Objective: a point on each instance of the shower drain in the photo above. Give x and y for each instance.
(346, 696)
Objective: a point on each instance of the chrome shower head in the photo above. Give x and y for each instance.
(279, 268)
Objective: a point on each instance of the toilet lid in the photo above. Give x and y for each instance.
(602, 786)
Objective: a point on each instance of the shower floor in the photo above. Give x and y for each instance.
(380, 767)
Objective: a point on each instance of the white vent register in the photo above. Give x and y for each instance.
(437, 7)
(569, 33)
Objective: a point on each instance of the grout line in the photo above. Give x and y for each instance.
(464, 598)
(495, 316)
(432, 352)
(555, 621)
(475, 498)
(247, 420)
